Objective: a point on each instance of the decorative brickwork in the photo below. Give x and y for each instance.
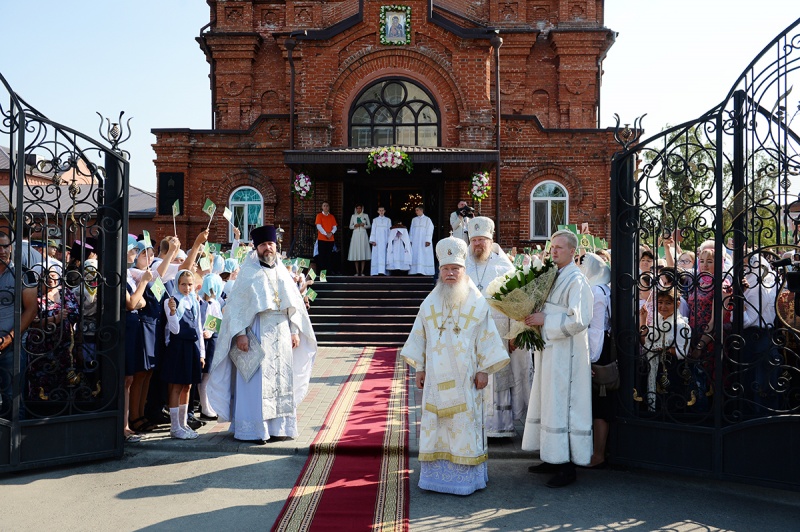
(550, 65)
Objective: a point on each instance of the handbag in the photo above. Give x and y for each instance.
(605, 377)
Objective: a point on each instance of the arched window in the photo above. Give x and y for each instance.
(549, 204)
(248, 211)
(392, 112)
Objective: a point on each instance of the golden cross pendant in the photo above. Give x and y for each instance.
(276, 299)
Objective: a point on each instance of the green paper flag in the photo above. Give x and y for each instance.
(176, 208)
(214, 248)
(205, 264)
(147, 242)
(323, 276)
(287, 262)
(212, 323)
(227, 214)
(305, 263)
(518, 259)
(206, 248)
(209, 208)
(158, 288)
(312, 295)
(547, 246)
(311, 274)
(241, 253)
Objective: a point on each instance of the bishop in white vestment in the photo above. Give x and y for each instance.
(454, 346)
(421, 244)
(379, 240)
(559, 422)
(509, 389)
(265, 349)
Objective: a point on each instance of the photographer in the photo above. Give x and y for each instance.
(459, 220)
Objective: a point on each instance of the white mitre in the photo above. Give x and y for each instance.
(481, 226)
(451, 250)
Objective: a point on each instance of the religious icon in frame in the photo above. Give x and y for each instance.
(395, 25)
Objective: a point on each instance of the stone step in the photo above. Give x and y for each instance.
(387, 302)
(361, 338)
(365, 328)
(390, 319)
(362, 310)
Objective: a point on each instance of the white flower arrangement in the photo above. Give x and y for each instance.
(389, 157)
(479, 190)
(520, 292)
(301, 186)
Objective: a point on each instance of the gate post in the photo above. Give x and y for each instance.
(624, 239)
(114, 224)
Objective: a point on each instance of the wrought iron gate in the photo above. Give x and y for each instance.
(62, 362)
(715, 391)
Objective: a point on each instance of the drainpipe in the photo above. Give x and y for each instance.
(290, 44)
(496, 41)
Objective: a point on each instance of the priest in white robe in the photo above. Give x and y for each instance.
(398, 251)
(379, 240)
(509, 389)
(421, 244)
(559, 421)
(454, 346)
(265, 350)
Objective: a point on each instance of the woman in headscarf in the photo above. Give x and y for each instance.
(599, 276)
(360, 251)
(211, 304)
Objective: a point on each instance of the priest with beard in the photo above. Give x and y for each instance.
(265, 349)
(454, 346)
(509, 389)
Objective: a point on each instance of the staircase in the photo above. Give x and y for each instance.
(367, 311)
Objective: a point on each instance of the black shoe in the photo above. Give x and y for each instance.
(194, 423)
(544, 468)
(257, 442)
(561, 479)
(208, 418)
(275, 439)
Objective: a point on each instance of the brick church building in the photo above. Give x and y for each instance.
(419, 74)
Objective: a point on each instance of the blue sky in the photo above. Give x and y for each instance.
(673, 59)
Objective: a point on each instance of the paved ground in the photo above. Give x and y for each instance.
(215, 483)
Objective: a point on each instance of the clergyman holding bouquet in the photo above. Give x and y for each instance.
(559, 422)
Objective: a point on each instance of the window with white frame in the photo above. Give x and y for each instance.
(549, 204)
(247, 206)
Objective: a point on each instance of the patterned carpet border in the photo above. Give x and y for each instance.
(391, 504)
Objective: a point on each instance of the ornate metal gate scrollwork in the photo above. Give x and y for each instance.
(62, 285)
(702, 215)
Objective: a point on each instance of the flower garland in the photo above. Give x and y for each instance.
(301, 187)
(389, 157)
(385, 10)
(480, 186)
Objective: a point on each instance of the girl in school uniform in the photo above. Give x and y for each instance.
(185, 353)
(211, 304)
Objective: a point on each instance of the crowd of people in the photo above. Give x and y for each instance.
(191, 358)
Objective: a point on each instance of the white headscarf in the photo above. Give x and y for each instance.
(188, 301)
(595, 270)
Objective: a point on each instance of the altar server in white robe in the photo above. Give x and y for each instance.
(398, 252)
(509, 389)
(559, 421)
(379, 240)
(265, 350)
(421, 247)
(454, 346)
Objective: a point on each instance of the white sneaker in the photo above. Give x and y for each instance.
(181, 434)
(192, 434)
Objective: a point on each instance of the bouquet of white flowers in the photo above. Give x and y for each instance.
(521, 292)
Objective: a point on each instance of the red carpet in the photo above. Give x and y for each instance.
(356, 475)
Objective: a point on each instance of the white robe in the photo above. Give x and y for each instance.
(559, 422)
(451, 427)
(398, 250)
(459, 226)
(380, 236)
(509, 389)
(421, 255)
(265, 405)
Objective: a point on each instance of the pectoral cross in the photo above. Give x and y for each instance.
(276, 299)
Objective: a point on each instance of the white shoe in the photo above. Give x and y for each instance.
(192, 434)
(181, 434)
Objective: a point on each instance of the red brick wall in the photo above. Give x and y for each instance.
(548, 86)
